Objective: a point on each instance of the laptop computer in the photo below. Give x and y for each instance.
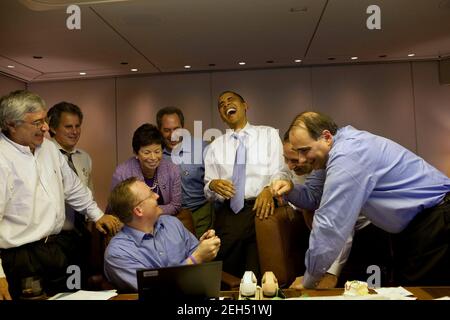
(199, 281)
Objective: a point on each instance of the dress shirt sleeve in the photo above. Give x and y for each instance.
(191, 243)
(346, 189)
(211, 173)
(308, 196)
(77, 195)
(174, 204)
(120, 269)
(339, 263)
(277, 167)
(4, 178)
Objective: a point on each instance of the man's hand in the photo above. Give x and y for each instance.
(264, 204)
(328, 281)
(4, 292)
(108, 223)
(222, 187)
(211, 233)
(207, 249)
(297, 284)
(280, 187)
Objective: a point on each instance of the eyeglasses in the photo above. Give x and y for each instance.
(149, 197)
(37, 123)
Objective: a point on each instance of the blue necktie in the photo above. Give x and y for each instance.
(238, 178)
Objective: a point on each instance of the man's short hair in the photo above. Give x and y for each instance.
(55, 112)
(232, 92)
(122, 200)
(166, 111)
(145, 135)
(16, 104)
(315, 123)
(286, 136)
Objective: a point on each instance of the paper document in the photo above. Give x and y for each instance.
(85, 295)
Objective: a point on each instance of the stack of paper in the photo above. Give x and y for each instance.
(85, 295)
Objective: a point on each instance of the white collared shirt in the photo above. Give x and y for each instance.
(83, 164)
(264, 161)
(33, 190)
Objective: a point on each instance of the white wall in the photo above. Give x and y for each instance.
(402, 101)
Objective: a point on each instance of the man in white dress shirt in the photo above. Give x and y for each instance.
(64, 120)
(36, 181)
(239, 167)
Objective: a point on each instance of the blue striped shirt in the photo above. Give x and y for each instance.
(131, 250)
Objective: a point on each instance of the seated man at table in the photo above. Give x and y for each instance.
(149, 240)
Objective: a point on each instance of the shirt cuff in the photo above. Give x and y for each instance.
(95, 214)
(2, 273)
(335, 268)
(310, 281)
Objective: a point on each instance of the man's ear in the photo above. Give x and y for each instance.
(138, 211)
(328, 136)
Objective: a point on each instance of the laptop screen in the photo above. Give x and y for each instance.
(197, 281)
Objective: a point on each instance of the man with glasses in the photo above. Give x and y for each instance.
(149, 240)
(36, 182)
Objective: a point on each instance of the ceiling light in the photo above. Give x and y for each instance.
(242, 63)
(187, 66)
(11, 67)
(354, 58)
(411, 55)
(212, 64)
(37, 57)
(82, 73)
(134, 70)
(298, 60)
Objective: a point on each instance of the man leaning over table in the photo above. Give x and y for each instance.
(396, 190)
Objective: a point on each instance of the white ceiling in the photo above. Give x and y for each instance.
(158, 36)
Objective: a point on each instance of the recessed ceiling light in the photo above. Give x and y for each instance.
(331, 58)
(82, 73)
(37, 57)
(382, 56)
(354, 58)
(411, 55)
(298, 60)
(134, 70)
(212, 64)
(187, 66)
(11, 67)
(242, 63)
(124, 63)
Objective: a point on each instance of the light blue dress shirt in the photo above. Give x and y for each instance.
(192, 171)
(131, 250)
(370, 174)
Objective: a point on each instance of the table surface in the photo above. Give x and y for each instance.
(421, 293)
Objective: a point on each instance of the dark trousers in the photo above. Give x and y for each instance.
(422, 250)
(238, 249)
(46, 260)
